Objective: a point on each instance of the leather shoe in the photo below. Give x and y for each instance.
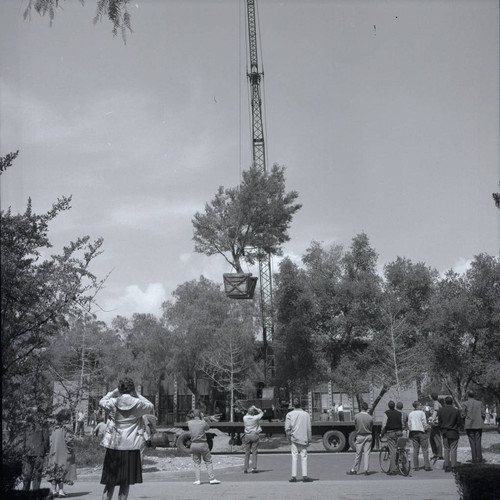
(393, 473)
(351, 473)
(306, 479)
(292, 480)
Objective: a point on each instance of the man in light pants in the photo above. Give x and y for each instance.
(364, 424)
(298, 430)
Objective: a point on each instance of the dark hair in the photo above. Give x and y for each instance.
(391, 404)
(416, 404)
(434, 396)
(448, 400)
(63, 415)
(364, 405)
(296, 402)
(399, 405)
(470, 394)
(126, 385)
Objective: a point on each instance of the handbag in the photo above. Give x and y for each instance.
(112, 437)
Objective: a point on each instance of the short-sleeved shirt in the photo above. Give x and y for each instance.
(364, 423)
(197, 428)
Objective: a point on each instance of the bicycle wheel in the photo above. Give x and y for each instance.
(403, 462)
(384, 459)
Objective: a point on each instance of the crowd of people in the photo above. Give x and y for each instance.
(130, 423)
(438, 427)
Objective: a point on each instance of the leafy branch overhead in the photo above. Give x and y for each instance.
(6, 161)
(115, 10)
(248, 221)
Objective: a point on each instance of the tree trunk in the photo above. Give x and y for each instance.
(359, 399)
(383, 390)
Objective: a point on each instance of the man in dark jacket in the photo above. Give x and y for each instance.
(449, 421)
(473, 416)
(392, 426)
(435, 437)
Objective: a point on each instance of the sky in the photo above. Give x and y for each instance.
(385, 115)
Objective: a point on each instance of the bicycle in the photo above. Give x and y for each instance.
(402, 457)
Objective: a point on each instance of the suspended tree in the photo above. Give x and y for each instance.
(246, 222)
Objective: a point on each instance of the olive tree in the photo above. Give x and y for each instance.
(249, 221)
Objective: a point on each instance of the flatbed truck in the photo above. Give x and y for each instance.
(337, 436)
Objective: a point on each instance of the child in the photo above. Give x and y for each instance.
(61, 464)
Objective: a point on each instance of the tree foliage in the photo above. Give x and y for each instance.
(6, 161)
(148, 344)
(248, 221)
(296, 358)
(465, 336)
(325, 310)
(115, 10)
(38, 292)
(496, 199)
(84, 357)
(230, 361)
(196, 319)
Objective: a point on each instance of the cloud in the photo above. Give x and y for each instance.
(462, 265)
(134, 300)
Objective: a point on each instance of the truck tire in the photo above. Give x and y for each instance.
(334, 441)
(183, 443)
(352, 440)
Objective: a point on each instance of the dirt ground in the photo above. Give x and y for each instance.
(234, 458)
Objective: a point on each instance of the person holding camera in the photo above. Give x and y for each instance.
(252, 436)
(123, 438)
(198, 426)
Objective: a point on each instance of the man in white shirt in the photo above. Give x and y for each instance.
(298, 430)
(417, 424)
(340, 412)
(251, 438)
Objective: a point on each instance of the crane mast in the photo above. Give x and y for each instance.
(259, 160)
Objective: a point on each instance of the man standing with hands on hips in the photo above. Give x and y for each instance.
(298, 430)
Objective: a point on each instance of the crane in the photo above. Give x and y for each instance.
(255, 77)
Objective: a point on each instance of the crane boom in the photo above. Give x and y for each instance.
(255, 77)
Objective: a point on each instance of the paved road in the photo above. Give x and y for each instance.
(327, 470)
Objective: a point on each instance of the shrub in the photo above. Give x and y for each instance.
(88, 453)
(11, 473)
(478, 481)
